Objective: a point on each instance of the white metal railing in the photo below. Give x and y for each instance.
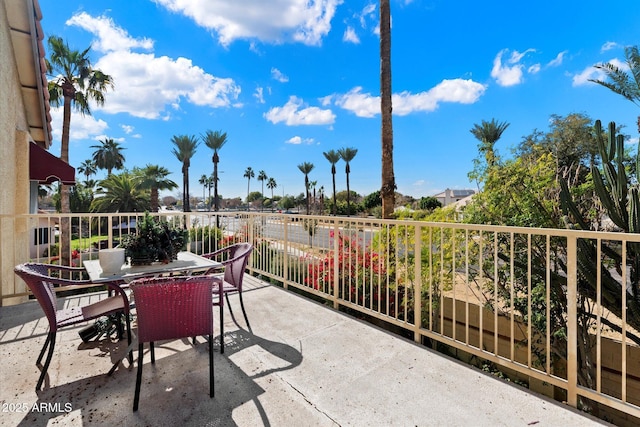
(556, 308)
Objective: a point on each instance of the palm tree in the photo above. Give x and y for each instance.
(248, 173)
(87, 168)
(73, 83)
(271, 184)
(313, 184)
(334, 157)
(262, 177)
(210, 183)
(185, 148)
(347, 154)
(120, 193)
(621, 82)
(204, 181)
(108, 155)
(306, 168)
(154, 178)
(215, 141)
(488, 133)
(388, 189)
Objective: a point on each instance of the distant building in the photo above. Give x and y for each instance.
(450, 196)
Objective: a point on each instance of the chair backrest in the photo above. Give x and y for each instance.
(173, 307)
(235, 265)
(37, 278)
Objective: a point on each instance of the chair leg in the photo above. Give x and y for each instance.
(211, 383)
(246, 319)
(226, 296)
(52, 343)
(44, 348)
(118, 320)
(221, 329)
(136, 396)
(128, 322)
(153, 352)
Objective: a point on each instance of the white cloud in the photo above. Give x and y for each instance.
(325, 100)
(147, 84)
(104, 136)
(361, 104)
(82, 126)
(557, 61)
(516, 56)
(110, 37)
(258, 94)
(589, 73)
(293, 115)
(593, 73)
(608, 46)
(404, 103)
(277, 75)
(508, 75)
(350, 36)
(129, 131)
(274, 21)
(297, 140)
(535, 68)
(368, 14)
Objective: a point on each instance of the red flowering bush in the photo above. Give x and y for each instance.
(361, 275)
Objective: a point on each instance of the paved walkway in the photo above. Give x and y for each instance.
(303, 365)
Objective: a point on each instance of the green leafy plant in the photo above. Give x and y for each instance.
(155, 240)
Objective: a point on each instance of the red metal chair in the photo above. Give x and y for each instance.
(41, 278)
(234, 258)
(170, 308)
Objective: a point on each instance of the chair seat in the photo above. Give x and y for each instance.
(228, 287)
(69, 316)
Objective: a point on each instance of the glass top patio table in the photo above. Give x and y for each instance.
(187, 263)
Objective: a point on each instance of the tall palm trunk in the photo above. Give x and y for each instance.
(154, 199)
(348, 170)
(65, 207)
(209, 200)
(333, 173)
(215, 159)
(306, 186)
(185, 188)
(387, 190)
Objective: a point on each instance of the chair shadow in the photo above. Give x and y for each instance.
(174, 390)
(241, 339)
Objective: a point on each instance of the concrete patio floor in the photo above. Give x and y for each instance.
(302, 365)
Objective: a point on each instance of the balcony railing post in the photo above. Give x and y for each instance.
(572, 321)
(417, 284)
(336, 258)
(285, 260)
(110, 231)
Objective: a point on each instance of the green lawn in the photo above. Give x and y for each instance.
(83, 243)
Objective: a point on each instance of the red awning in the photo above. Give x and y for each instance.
(46, 168)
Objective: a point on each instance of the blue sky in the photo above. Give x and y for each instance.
(290, 79)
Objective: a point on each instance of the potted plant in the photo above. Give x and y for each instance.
(155, 240)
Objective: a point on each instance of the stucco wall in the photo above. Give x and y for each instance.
(14, 164)
(14, 153)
